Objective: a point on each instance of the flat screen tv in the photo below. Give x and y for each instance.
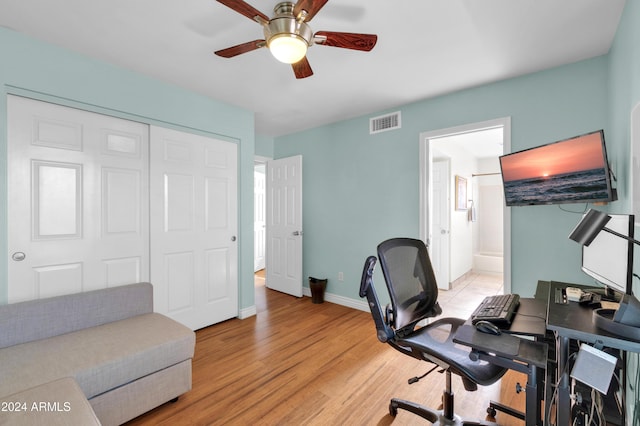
(573, 170)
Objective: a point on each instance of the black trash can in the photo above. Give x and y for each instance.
(317, 286)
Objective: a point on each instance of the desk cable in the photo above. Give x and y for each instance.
(634, 386)
(596, 410)
(547, 414)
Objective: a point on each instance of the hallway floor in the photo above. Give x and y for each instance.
(461, 300)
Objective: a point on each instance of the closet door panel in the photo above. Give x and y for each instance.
(78, 200)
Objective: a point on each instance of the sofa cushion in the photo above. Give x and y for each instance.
(38, 319)
(60, 402)
(99, 358)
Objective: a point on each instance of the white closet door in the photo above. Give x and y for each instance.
(194, 253)
(78, 200)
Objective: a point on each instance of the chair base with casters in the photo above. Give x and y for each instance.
(445, 416)
(413, 292)
(494, 407)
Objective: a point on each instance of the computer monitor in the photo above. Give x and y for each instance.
(609, 258)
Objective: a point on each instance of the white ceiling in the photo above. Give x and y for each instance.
(486, 143)
(425, 48)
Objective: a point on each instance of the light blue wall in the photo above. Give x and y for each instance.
(360, 189)
(624, 83)
(49, 73)
(264, 146)
(624, 87)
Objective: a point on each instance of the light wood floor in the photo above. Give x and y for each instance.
(298, 363)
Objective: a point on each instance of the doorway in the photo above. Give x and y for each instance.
(259, 214)
(472, 151)
(259, 231)
(284, 229)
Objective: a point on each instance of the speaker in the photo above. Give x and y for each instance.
(594, 368)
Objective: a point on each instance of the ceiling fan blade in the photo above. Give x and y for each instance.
(310, 6)
(245, 9)
(354, 41)
(230, 52)
(302, 69)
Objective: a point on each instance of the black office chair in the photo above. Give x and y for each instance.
(413, 291)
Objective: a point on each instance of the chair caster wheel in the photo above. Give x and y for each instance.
(393, 409)
(491, 412)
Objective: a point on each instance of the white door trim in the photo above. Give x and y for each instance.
(261, 160)
(425, 161)
(440, 244)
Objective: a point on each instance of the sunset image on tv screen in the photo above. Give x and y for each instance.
(573, 170)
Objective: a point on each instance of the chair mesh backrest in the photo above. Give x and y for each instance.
(410, 280)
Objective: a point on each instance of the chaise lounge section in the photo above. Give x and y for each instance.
(125, 358)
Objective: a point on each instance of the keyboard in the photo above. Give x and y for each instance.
(498, 309)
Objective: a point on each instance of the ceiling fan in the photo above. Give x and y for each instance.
(287, 34)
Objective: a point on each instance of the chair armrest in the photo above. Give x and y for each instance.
(385, 332)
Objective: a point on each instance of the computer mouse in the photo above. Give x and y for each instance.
(488, 327)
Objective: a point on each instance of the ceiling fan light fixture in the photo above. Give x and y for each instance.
(288, 36)
(288, 48)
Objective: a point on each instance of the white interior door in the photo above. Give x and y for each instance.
(77, 196)
(259, 219)
(284, 225)
(194, 254)
(440, 225)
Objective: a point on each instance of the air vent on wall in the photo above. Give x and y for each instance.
(384, 123)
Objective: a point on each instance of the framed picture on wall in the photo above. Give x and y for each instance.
(461, 193)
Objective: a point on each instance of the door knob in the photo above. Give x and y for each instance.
(233, 238)
(18, 256)
(296, 233)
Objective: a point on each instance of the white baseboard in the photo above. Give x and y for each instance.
(247, 312)
(359, 304)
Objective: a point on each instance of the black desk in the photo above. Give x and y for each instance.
(513, 352)
(530, 318)
(573, 321)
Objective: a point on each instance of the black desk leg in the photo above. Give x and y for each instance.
(532, 402)
(563, 406)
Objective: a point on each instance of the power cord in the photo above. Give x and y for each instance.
(596, 408)
(633, 387)
(586, 206)
(555, 391)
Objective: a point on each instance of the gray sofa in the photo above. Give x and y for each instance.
(125, 358)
